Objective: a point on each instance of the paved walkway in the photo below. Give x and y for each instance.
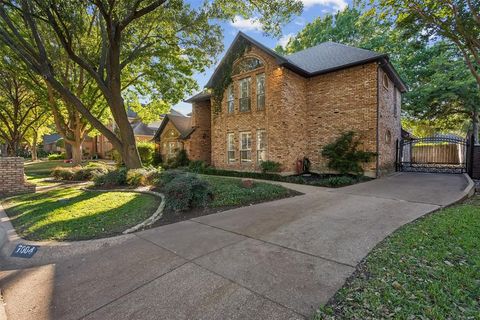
(276, 260)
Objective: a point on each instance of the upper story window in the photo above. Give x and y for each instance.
(245, 94)
(261, 91)
(246, 65)
(230, 99)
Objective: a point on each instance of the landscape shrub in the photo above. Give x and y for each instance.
(197, 166)
(165, 177)
(117, 177)
(60, 173)
(57, 156)
(270, 166)
(144, 177)
(180, 160)
(186, 192)
(78, 173)
(146, 150)
(340, 181)
(343, 154)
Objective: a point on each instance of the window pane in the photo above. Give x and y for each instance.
(245, 146)
(247, 64)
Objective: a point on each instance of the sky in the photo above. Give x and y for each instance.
(311, 10)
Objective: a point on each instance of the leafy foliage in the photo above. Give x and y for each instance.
(270, 166)
(117, 177)
(146, 150)
(343, 154)
(197, 166)
(185, 192)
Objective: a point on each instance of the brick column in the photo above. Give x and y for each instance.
(12, 177)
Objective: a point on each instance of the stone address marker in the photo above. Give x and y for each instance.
(24, 251)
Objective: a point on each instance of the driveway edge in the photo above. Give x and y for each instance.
(470, 188)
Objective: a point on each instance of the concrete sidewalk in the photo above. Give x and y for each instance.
(275, 260)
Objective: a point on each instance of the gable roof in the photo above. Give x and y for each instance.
(182, 123)
(331, 56)
(51, 138)
(323, 58)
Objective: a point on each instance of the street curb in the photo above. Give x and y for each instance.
(470, 188)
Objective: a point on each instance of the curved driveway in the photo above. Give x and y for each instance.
(276, 260)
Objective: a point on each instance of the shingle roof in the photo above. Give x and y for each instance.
(141, 129)
(51, 138)
(329, 56)
(201, 96)
(182, 123)
(323, 58)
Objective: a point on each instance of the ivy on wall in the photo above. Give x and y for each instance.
(224, 77)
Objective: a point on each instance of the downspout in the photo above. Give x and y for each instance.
(378, 122)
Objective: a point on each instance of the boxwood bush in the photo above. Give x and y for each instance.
(187, 191)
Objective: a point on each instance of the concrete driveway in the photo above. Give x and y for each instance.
(276, 260)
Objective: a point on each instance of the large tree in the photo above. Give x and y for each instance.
(22, 106)
(442, 92)
(149, 47)
(457, 21)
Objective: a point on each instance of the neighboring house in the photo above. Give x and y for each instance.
(284, 108)
(50, 143)
(190, 133)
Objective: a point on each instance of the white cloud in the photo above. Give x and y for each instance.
(243, 24)
(336, 4)
(283, 41)
(300, 21)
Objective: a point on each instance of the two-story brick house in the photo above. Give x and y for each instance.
(284, 108)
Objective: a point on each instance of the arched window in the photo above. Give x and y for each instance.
(247, 64)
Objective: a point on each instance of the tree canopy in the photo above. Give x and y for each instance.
(132, 49)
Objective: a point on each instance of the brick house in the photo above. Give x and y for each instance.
(284, 108)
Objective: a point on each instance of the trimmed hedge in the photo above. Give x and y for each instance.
(321, 180)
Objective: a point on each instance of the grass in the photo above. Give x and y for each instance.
(74, 214)
(429, 269)
(230, 192)
(42, 169)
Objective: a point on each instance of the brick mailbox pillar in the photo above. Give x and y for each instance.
(12, 177)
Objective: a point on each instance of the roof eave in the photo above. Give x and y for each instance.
(390, 70)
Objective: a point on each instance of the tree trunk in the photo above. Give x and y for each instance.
(77, 153)
(34, 146)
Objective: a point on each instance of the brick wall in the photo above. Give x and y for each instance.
(12, 180)
(303, 115)
(341, 101)
(389, 127)
(199, 143)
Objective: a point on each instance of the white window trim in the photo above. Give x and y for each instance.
(260, 76)
(259, 150)
(230, 147)
(230, 99)
(248, 81)
(247, 149)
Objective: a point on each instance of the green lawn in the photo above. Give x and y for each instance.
(230, 192)
(73, 214)
(429, 269)
(42, 169)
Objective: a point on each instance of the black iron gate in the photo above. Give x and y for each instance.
(433, 154)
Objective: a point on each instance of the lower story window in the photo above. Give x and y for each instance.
(230, 147)
(261, 145)
(172, 148)
(245, 147)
